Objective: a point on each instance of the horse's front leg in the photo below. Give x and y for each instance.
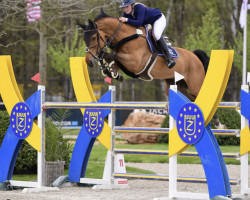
(104, 65)
(111, 68)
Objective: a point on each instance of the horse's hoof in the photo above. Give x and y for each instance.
(119, 78)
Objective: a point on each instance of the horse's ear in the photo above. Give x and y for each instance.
(91, 24)
(102, 11)
(83, 26)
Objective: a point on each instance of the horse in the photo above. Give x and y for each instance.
(131, 53)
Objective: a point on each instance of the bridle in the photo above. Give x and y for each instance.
(107, 43)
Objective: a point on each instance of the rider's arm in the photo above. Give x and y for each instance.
(139, 16)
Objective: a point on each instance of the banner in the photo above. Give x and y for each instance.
(33, 10)
(243, 13)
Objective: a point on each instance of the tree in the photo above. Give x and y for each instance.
(60, 53)
(15, 30)
(207, 36)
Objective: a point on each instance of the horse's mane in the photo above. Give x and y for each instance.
(102, 15)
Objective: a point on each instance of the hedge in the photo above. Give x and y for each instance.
(56, 147)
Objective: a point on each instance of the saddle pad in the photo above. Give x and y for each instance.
(173, 53)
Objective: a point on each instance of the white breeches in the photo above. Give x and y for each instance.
(159, 27)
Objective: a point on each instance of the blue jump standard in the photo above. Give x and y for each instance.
(208, 150)
(12, 144)
(83, 147)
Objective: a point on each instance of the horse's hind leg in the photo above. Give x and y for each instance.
(168, 82)
(181, 86)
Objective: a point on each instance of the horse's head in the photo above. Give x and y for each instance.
(94, 40)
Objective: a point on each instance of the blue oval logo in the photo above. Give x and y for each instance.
(93, 121)
(190, 123)
(21, 120)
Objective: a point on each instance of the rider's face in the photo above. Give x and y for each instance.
(128, 9)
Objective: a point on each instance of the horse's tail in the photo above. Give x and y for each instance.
(204, 58)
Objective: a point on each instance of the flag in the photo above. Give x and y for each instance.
(243, 13)
(178, 77)
(33, 10)
(108, 80)
(248, 77)
(36, 78)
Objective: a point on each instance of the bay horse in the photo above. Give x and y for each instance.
(131, 53)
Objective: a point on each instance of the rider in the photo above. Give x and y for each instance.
(138, 14)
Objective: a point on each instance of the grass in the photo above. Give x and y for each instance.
(24, 177)
(70, 131)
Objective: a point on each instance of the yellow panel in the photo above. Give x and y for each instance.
(13, 79)
(210, 95)
(34, 138)
(84, 93)
(215, 82)
(176, 144)
(11, 96)
(82, 85)
(8, 87)
(244, 140)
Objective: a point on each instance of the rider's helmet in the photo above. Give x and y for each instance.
(125, 3)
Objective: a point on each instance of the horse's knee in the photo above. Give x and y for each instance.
(119, 78)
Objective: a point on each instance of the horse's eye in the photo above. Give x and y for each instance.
(93, 38)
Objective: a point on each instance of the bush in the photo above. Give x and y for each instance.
(57, 148)
(4, 123)
(232, 119)
(163, 138)
(229, 117)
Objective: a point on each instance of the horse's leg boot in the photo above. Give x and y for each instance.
(163, 46)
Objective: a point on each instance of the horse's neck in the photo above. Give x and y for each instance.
(110, 26)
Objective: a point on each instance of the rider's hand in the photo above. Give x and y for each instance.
(123, 19)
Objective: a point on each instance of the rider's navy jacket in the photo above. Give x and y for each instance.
(142, 15)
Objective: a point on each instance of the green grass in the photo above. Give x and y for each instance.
(25, 177)
(95, 170)
(70, 131)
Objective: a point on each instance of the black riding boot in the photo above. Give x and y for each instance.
(163, 46)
